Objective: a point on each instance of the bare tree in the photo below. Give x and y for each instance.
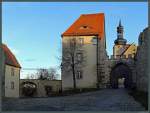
(42, 74)
(49, 74)
(31, 76)
(52, 73)
(73, 57)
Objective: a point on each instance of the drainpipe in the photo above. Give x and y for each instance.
(97, 56)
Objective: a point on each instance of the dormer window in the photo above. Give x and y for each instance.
(84, 27)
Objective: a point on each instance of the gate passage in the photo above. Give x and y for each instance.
(120, 72)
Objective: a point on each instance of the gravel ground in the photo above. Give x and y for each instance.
(102, 100)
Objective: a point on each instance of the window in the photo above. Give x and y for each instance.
(94, 40)
(79, 75)
(79, 56)
(12, 72)
(81, 41)
(84, 27)
(12, 85)
(129, 55)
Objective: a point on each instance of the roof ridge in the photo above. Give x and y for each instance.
(92, 14)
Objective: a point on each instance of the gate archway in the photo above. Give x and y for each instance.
(119, 71)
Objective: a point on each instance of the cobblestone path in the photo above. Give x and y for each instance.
(103, 100)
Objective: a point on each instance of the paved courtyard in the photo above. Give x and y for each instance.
(103, 100)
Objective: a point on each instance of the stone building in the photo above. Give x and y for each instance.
(121, 70)
(141, 60)
(121, 49)
(89, 31)
(12, 73)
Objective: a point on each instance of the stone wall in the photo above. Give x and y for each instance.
(103, 62)
(41, 92)
(141, 61)
(129, 62)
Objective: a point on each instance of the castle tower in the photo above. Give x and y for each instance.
(89, 31)
(121, 49)
(120, 40)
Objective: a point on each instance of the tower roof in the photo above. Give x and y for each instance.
(120, 39)
(87, 24)
(10, 59)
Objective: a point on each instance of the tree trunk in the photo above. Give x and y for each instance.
(74, 78)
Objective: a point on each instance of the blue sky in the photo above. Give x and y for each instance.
(33, 30)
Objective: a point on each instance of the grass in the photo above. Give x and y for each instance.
(141, 97)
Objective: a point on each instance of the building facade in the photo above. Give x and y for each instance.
(12, 73)
(141, 60)
(124, 68)
(89, 32)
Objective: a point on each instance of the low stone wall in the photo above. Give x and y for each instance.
(56, 86)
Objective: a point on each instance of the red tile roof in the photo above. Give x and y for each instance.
(10, 59)
(87, 24)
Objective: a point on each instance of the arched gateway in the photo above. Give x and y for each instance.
(121, 71)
